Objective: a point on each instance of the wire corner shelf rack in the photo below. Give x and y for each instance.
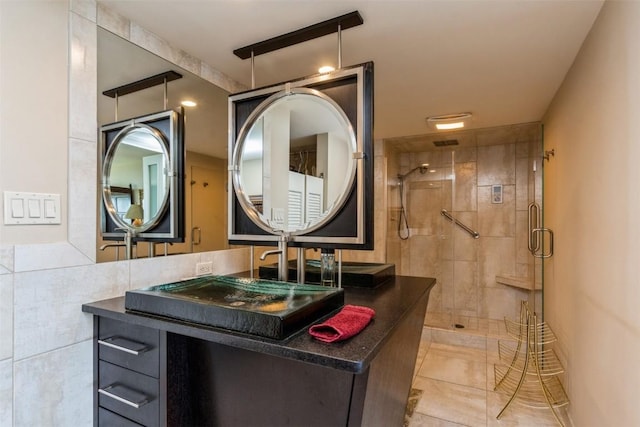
(528, 370)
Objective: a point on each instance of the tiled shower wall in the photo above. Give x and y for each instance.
(460, 180)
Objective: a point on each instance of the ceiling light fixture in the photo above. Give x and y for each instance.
(326, 69)
(449, 121)
(189, 103)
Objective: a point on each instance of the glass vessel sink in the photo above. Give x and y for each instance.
(354, 274)
(265, 308)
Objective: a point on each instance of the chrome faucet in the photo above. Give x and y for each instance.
(113, 245)
(129, 235)
(283, 262)
(265, 254)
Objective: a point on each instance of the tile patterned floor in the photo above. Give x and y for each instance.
(454, 378)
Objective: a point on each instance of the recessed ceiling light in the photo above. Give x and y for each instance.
(449, 121)
(449, 126)
(188, 103)
(326, 69)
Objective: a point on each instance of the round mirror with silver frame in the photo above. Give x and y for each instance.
(138, 159)
(294, 163)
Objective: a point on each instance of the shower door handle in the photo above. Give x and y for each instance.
(536, 233)
(539, 232)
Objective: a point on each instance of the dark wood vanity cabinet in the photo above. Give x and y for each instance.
(129, 374)
(183, 374)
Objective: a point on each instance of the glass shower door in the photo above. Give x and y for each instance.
(540, 238)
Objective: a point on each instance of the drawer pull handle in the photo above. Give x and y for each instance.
(110, 391)
(125, 345)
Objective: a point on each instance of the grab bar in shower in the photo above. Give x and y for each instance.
(447, 215)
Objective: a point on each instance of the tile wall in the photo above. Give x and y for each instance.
(460, 180)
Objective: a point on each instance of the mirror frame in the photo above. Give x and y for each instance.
(168, 223)
(106, 177)
(246, 129)
(351, 227)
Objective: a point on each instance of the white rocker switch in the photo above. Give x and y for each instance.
(49, 208)
(17, 208)
(34, 208)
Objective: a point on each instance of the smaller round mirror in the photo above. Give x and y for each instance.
(294, 163)
(135, 184)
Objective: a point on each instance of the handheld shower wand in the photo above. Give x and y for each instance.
(403, 223)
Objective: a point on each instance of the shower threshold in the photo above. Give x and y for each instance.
(468, 325)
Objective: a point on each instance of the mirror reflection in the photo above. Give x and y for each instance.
(137, 163)
(206, 141)
(294, 161)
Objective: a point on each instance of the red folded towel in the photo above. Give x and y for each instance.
(348, 322)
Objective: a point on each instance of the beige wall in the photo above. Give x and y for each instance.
(592, 201)
(33, 106)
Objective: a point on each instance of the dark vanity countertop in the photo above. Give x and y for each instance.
(392, 301)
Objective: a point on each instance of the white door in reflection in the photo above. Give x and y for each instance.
(154, 185)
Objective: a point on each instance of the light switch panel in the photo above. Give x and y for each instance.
(21, 208)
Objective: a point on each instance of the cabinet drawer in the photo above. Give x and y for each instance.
(109, 419)
(130, 346)
(128, 393)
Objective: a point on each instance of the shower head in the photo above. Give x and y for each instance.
(423, 168)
